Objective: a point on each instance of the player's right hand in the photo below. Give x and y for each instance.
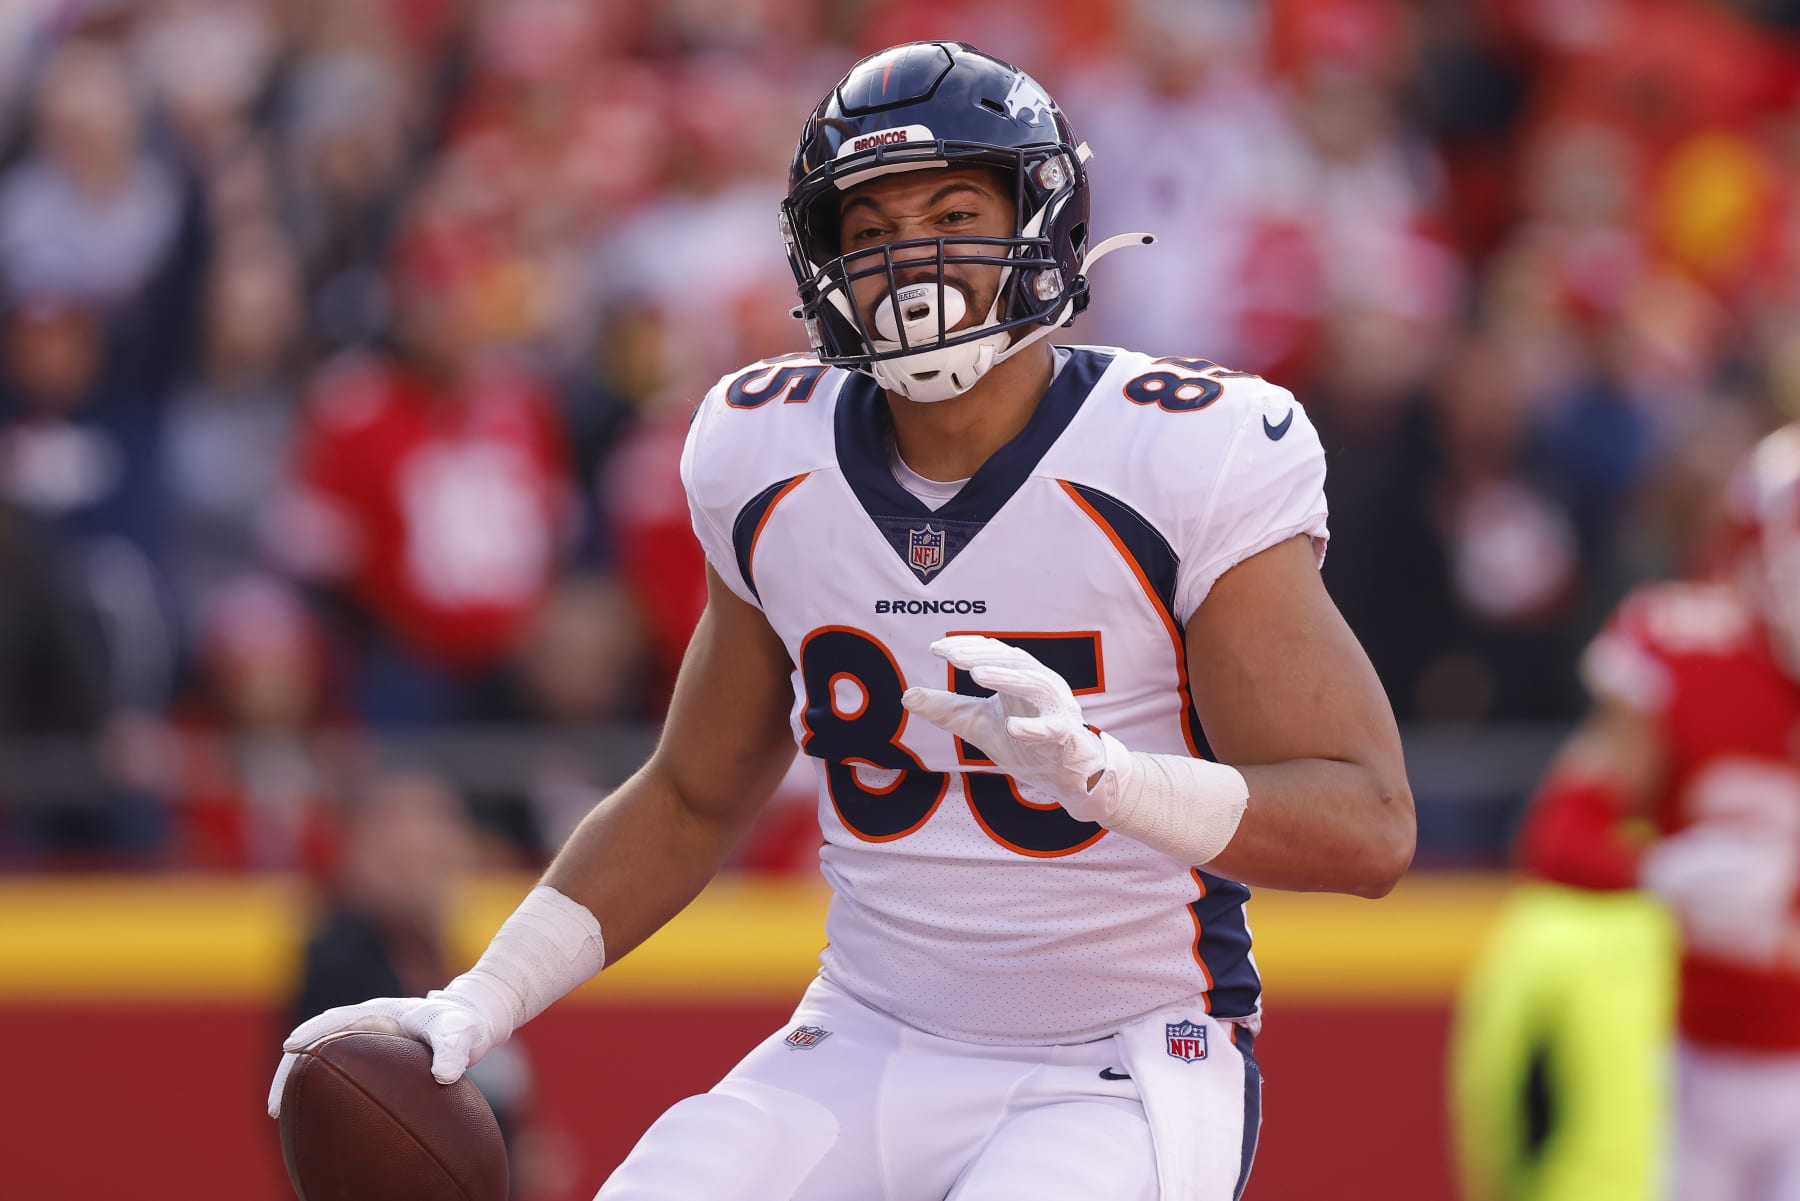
(453, 1026)
(1031, 727)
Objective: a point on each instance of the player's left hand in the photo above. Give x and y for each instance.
(1031, 727)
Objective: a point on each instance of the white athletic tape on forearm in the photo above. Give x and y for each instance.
(1187, 808)
(548, 947)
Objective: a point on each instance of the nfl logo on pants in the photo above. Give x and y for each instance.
(804, 1038)
(1187, 1041)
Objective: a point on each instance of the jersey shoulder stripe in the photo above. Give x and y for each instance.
(1158, 570)
(749, 524)
(1218, 464)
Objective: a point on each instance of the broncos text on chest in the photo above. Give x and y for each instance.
(931, 606)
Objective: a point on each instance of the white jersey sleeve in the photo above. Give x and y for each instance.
(715, 542)
(1270, 487)
(757, 432)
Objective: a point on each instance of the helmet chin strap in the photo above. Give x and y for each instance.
(932, 375)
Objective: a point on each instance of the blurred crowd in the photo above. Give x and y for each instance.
(347, 346)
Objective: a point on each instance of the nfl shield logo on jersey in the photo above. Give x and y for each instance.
(805, 1038)
(1187, 1041)
(925, 550)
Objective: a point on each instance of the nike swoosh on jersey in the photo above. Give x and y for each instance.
(1277, 432)
(1109, 1074)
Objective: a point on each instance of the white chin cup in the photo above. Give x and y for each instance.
(914, 310)
(933, 375)
(930, 373)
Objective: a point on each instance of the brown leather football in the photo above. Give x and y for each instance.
(363, 1120)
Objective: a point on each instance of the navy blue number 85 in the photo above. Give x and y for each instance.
(853, 721)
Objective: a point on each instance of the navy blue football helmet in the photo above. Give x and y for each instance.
(938, 104)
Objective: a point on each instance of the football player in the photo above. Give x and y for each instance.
(995, 590)
(1685, 781)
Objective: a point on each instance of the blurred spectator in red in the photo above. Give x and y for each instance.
(430, 493)
(259, 756)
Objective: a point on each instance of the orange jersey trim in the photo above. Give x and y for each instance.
(1168, 619)
(764, 522)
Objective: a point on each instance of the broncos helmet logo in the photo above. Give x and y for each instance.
(1026, 101)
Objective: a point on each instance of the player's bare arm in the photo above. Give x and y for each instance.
(1288, 697)
(630, 866)
(650, 847)
(1310, 791)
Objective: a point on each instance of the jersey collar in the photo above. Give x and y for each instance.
(926, 539)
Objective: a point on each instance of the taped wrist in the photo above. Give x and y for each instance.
(548, 947)
(1187, 808)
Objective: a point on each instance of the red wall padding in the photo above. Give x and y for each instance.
(99, 1104)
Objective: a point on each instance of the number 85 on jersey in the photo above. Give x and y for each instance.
(853, 721)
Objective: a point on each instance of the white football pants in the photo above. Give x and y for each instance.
(1737, 1126)
(848, 1104)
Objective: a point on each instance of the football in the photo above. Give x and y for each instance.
(362, 1119)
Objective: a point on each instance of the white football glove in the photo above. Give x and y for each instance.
(1031, 727)
(458, 1027)
(549, 946)
(1731, 886)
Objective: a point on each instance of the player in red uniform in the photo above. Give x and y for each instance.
(1695, 737)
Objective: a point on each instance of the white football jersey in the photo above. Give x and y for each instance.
(1088, 540)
